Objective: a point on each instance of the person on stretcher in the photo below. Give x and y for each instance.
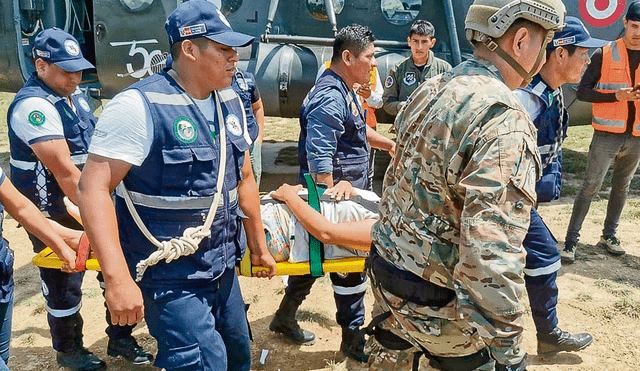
(343, 226)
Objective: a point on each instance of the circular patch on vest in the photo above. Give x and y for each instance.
(185, 130)
(388, 82)
(72, 48)
(36, 118)
(84, 104)
(233, 125)
(409, 78)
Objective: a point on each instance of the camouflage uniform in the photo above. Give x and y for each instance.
(404, 78)
(455, 210)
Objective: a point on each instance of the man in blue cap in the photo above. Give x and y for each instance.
(612, 84)
(50, 126)
(567, 58)
(177, 143)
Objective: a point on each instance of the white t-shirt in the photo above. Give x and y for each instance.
(125, 130)
(35, 119)
(530, 102)
(290, 241)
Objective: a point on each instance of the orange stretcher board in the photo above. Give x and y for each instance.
(48, 259)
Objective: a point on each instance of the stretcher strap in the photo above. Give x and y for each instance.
(316, 248)
(83, 253)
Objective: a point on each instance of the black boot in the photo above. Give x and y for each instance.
(562, 341)
(352, 345)
(128, 348)
(284, 322)
(80, 359)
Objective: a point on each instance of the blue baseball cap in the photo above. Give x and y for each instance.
(575, 33)
(60, 48)
(198, 18)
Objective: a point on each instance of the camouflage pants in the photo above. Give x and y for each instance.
(438, 331)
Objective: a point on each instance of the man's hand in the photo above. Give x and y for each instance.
(68, 256)
(264, 260)
(363, 90)
(631, 94)
(124, 301)
(343, 188)
(286, 191)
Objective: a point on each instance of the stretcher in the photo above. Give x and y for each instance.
(48, 259)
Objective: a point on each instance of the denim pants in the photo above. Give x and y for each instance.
(624, 151)
(6, 310)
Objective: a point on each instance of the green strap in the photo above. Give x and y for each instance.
(315, 247)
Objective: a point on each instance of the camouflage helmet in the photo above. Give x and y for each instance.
(493, 18)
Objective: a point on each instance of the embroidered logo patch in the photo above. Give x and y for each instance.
(72, 47)
(233, 125)
(388, 82)
(42, 53)
(36, 118)
(185, 130)
(84, 104)
(196, 29)
(354, 108)
(409, 78)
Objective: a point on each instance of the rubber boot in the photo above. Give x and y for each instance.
(284, 322)
(352, 345)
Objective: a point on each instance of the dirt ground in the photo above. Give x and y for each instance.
(598, 294)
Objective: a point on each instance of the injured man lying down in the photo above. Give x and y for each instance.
(342, 225)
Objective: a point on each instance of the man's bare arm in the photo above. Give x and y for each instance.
(55, 155)
(99, 178)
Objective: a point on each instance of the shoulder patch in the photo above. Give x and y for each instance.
(388, 82)
(409, 78)
(84, 104)
(185, 130)
(36, 118)
(233, 125)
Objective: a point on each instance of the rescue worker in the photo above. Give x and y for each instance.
(244, 84)
(567, 58)
(50, 126)
(178, 142)
(408, 74)
(333, 149)
(612, 84)
(446, 264)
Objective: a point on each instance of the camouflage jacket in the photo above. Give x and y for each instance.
(404, 78)
(456, 202)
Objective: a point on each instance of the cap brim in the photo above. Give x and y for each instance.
(231, 38)
(74, 65)
(592, 43)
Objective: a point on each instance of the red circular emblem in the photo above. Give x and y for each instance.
(601, 13)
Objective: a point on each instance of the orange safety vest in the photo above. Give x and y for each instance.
(371, 119)
(612, 117)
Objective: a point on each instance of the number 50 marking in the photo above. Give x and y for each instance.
(147, 56)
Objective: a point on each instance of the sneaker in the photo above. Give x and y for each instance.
(561, 341)
(129, 349)
(80, 359)
(568, 253)
(612, 244)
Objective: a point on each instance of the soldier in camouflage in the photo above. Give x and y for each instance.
(447, 258)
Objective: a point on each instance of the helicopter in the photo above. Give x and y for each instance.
(126, 41)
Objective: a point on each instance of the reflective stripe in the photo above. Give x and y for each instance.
(546, 149)
(539, 88)
(609, 123)
(59, 313)
(169, 99)
(615, 53)
(341, 290)
(227, 94)
(28, 165)
(22, 165)
(543, 270)
(174, 202)
(610, 86)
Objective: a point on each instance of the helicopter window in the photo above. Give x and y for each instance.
(400, 12)
(230, 6)
(319, 11)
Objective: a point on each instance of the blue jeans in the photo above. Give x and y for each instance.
(624, 151)
(6, 310)
(201, 327)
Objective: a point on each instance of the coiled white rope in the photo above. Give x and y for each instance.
(188, 243)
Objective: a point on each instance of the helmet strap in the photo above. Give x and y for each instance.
(527, 76)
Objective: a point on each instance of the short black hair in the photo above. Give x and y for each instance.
(354, 38)
(571, 49)
(176, 47)
(423, 28)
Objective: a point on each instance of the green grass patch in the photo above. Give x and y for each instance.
(629, 307)
(320, 317)
(584, 297)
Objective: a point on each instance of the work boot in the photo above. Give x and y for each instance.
(80, 359)
(352, 345)
(284, 322)
(568, 253)
(562, 341)
(128, 348)
(612, 244)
